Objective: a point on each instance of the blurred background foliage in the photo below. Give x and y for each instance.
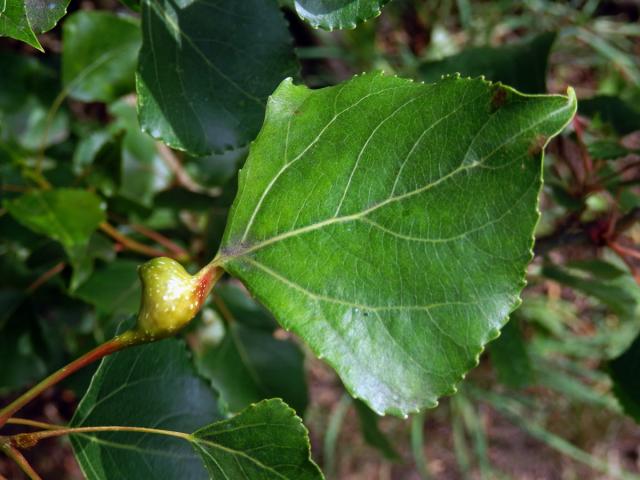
(87, 196)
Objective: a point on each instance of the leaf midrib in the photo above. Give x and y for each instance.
(228, 254)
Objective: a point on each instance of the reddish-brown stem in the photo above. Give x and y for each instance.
(122, 341)
(161, 240)
(22, 462)
(623, 254)
(46, 276)
(587, 163)
(132, 244)
(617, 173)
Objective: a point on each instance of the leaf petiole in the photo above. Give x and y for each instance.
(124, 340)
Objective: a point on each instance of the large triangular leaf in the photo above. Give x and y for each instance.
(206, 69)
(264, 441)
(389, 224)
(153, 386)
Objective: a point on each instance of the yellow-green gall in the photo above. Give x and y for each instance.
(170, 297)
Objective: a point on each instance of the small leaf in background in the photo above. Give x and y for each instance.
(153, 385)
(337, 14)
(99, 56)
(249, 364)
(69, 216)
(88, 148)
(114, 288)
(607, 150)
(143, 171)
(612, 110)
(206, 69)
(521, 65)
(14, 23)
(267, 440)
(626, 379)
(389, 224)
(605, 282)
(510, 358)
(371, 431)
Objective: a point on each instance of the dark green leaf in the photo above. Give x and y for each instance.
(612, 110)
(156, 386)
(389, 224)
(99, 56)
(115, 288)
(521, 65)
(15, 24)
(250, 364)
(371, 431)
(143, 171)
(264, 441)
(510, 358)
(337, 14)
(206, 69)
(626, 381)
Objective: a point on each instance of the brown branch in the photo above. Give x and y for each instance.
(46, 276)
(182, 177)
(161, 240)
(132, 244)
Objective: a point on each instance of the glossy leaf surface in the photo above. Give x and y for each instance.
(337, 14)
(155, 386)
(389, 224)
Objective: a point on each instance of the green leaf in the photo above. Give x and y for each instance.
(619, 293)
(143, 171)
(371, 431)
(264, 441)
(67, 215)
(626, 381)
(43, 15)
(521, 65)
(510, 357)
(99, 56)
(249, 364)
(337, 14)
(14, 23)
(113, 289)
(612, 110)
(389, 224)
(155, 386)
(206, 69)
